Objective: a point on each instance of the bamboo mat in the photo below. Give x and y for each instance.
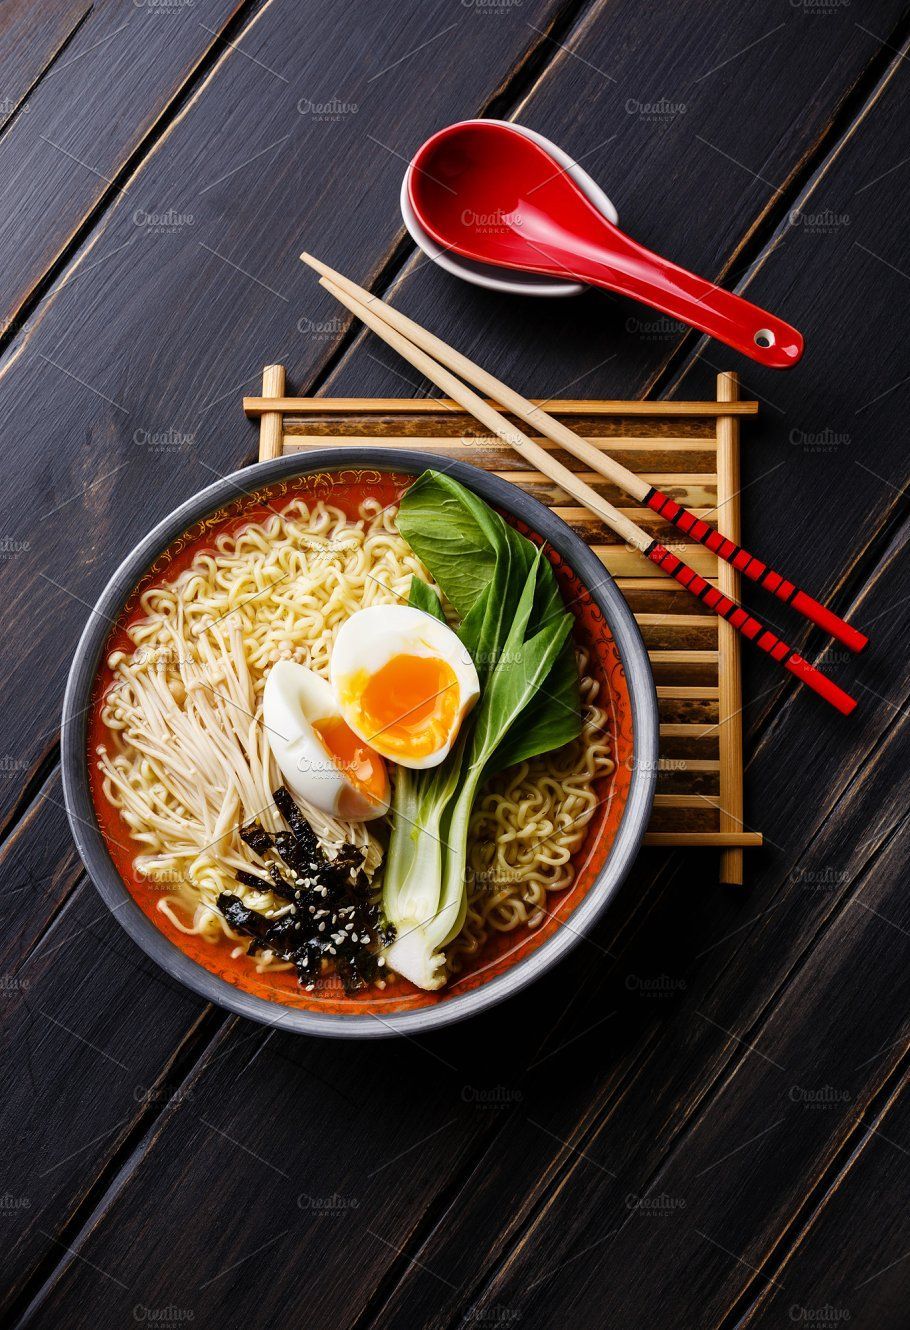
(690, 450)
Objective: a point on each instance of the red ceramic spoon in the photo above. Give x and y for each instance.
(491, 195)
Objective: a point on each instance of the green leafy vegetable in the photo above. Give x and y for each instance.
(450, 531)
(517, 630)
(423, 597)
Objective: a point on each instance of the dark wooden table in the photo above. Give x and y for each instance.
(698, 1121)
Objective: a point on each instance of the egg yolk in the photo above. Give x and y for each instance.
(362, 766)
(409, 706)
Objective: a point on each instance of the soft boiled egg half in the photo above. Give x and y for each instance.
(322, 760)
(404, 683)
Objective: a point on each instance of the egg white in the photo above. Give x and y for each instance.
(370, 638)
(294, 698)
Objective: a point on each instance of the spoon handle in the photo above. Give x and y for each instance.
(629, 268)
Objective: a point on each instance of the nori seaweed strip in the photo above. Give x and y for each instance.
(297, 858)
(281, 936)
(259, 840)
(280, 885)
(330, 899)
(297, 822)
(241, 917)
(350, 860)
(251, 880)
(349, 857)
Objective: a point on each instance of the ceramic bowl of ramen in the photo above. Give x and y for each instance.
(355, 747)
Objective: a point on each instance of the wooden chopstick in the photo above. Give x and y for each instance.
(693, 525)
(627, 530)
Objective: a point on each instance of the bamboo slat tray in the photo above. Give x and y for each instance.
(690, 450)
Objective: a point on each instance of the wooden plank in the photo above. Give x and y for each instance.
(729, 667)
(122, 68)
(641, 427)
(270, 422)
(622, 562)
(323, 1195)
(687, 621)
(69, 975)
(616, 444)
(632, 585)
(671, 690)
(723, 840)
(840, 1264)
(564, 406)
(680, 801)
(40, 866)
(33, 35)
(688, 731)
(82, 1082)
(788, 1108)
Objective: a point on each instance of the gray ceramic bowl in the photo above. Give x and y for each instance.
(91, 844)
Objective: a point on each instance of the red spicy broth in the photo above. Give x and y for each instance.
(347, 490)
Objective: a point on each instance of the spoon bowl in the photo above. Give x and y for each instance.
(510, 281)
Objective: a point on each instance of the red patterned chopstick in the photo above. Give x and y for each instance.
(750, 627)
(753, 568)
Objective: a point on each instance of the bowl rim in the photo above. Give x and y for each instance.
(75, 759)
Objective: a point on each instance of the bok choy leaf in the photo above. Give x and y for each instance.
(514, 624)
(423, 597)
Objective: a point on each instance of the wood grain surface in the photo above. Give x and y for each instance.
(699, 1119)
